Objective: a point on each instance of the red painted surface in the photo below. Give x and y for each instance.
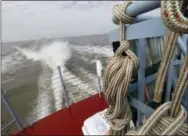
(67, 121)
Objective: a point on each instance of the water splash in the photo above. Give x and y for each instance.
(53, 55)
(104, 50)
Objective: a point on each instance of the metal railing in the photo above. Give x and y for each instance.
(12, 113)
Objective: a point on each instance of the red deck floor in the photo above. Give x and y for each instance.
(67, 121)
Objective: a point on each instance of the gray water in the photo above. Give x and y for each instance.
(31, 87)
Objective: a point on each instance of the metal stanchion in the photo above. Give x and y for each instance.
(12, 112)
(64, 87)
(99, 69)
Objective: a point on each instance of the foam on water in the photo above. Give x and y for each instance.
(54, 55)
(6, 64)
(108, 52)
(43, 99)
(81, 87)
(10, 61)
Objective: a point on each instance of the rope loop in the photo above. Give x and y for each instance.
(153, 121)
(172, 15)
(124, 48)
(118, 74)
(119, 12)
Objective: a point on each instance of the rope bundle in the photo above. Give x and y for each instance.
(164, 122)
(120, 68)
(160, 124)
(169, 118)
(117, 76)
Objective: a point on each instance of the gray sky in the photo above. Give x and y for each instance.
(35, 19)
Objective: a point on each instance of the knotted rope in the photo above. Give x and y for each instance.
(117, 76)
(160, 123)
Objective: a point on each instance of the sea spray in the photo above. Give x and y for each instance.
(53, 55)
(11, 62)
(103, 50)
(57, 53)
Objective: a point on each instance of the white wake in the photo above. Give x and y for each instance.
(53, 55)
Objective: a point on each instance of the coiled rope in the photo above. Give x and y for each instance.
(160, 123)
(117, 76)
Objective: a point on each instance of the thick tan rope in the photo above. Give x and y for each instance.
(173, 16)
(180, 88)
(117, 76)
(165, 62)
(163, 123)
(175, 21)
(159, 123)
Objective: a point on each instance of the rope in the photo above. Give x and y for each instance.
(117, 76)
(173, 16)
(164, 122)
(165, 62)
(175, 21)
(119, 71)
(159, 123)
(180, 88)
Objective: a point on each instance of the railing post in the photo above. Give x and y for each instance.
(182, 46)
(11, 111)
(99, 69)
(99, 83)
(141, 52)
(64, 87)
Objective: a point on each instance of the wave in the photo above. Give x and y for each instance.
(79, 85)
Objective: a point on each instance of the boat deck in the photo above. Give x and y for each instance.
(67, 121)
